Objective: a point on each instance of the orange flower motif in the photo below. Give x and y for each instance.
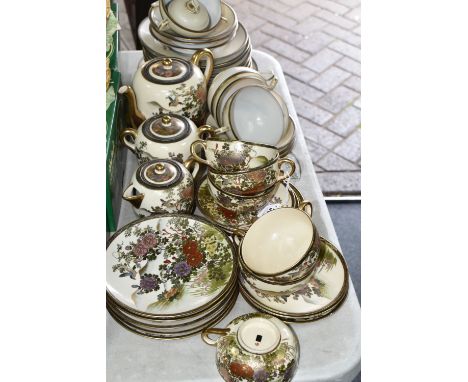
(194, 259)
(190, 247)
(241, 370)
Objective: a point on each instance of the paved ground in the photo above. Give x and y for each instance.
(318, 45)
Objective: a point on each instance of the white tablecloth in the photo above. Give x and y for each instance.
(330, 347)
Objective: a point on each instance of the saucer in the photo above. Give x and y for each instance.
(230, 220)
(325, 291)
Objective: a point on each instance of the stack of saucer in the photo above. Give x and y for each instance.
(288, 270)
(170, 276)
(168, 32)
(243, 100)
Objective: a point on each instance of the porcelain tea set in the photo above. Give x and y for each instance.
(218, 212)
(178, 28)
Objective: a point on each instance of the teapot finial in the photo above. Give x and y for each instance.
(166, 120)
(167, 62)
(159, 168)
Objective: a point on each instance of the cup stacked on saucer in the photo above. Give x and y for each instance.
(244, 101)
(242, 177)
(170, 276)
(287, 269)
(178, 28)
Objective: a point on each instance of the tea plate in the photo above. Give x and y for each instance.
(324, 291)
(286, 196)
(168, 265)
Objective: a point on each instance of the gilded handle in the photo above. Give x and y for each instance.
(237, 236)
(191, 165)
(193, 151)
(136, 116)
(219, 331)
(204, 53)
(127, 133)
(292, 168)
(210, 131)
(303, 206)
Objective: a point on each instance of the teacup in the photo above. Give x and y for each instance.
(252, 182)
(238, 203)
(233, 156)
(255, 347)
(282, 245)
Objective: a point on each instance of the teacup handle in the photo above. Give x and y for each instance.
(270, 79)
(193, 151)
(292, 165)
(191, 165)
(303, 205)
(125, 134)
(219, 331)
(212, 131)
(198, 55)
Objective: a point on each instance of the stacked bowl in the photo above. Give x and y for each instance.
(288, 270)
(242, 176)
(178, 28)
(243, 100)
(170, 276)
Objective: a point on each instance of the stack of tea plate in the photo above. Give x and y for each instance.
(170, 276)
(288, 270)
(161, 34)
(244, 101)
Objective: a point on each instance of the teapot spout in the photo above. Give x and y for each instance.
(135, 200)
(136, 116)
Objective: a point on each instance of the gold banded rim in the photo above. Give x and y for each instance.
(189, 313)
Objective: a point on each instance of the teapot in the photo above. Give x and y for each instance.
(165, 136)
(162, 186)
(255, 347)
(170, 85)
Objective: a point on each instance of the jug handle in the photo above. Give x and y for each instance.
(212, 131)
(218, 331)
(197, 56)
(192, 165)
(124, 134)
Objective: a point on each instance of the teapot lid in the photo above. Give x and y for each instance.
(159, 173)
(258, 335)
(166, 128)
(167, 70)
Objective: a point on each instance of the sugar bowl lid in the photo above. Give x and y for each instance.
(166, 128)
(167, 70)
(159, 173)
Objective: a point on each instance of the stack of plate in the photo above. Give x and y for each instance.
(324, 291)
(228, 40)
(170, 276)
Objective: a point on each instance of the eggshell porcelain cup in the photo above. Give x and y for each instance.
(282, 245)
(255, 347)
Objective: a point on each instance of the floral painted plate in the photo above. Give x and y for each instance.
(169, 265)
(229, 220)
(325, 290)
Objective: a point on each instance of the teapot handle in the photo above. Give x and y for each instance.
(192, 163)
(197, 56)
(193, 151)
(219, 331)
(304, 204)
(212, 131)
(135, 200)
(291, 163)
(125, 134)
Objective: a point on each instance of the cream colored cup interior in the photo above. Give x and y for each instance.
(277, 241)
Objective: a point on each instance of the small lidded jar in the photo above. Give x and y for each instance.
(162, 186)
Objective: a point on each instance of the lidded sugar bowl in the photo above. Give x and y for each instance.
(170, 85)
(162, 186)
(255, 347)
(165, 136)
